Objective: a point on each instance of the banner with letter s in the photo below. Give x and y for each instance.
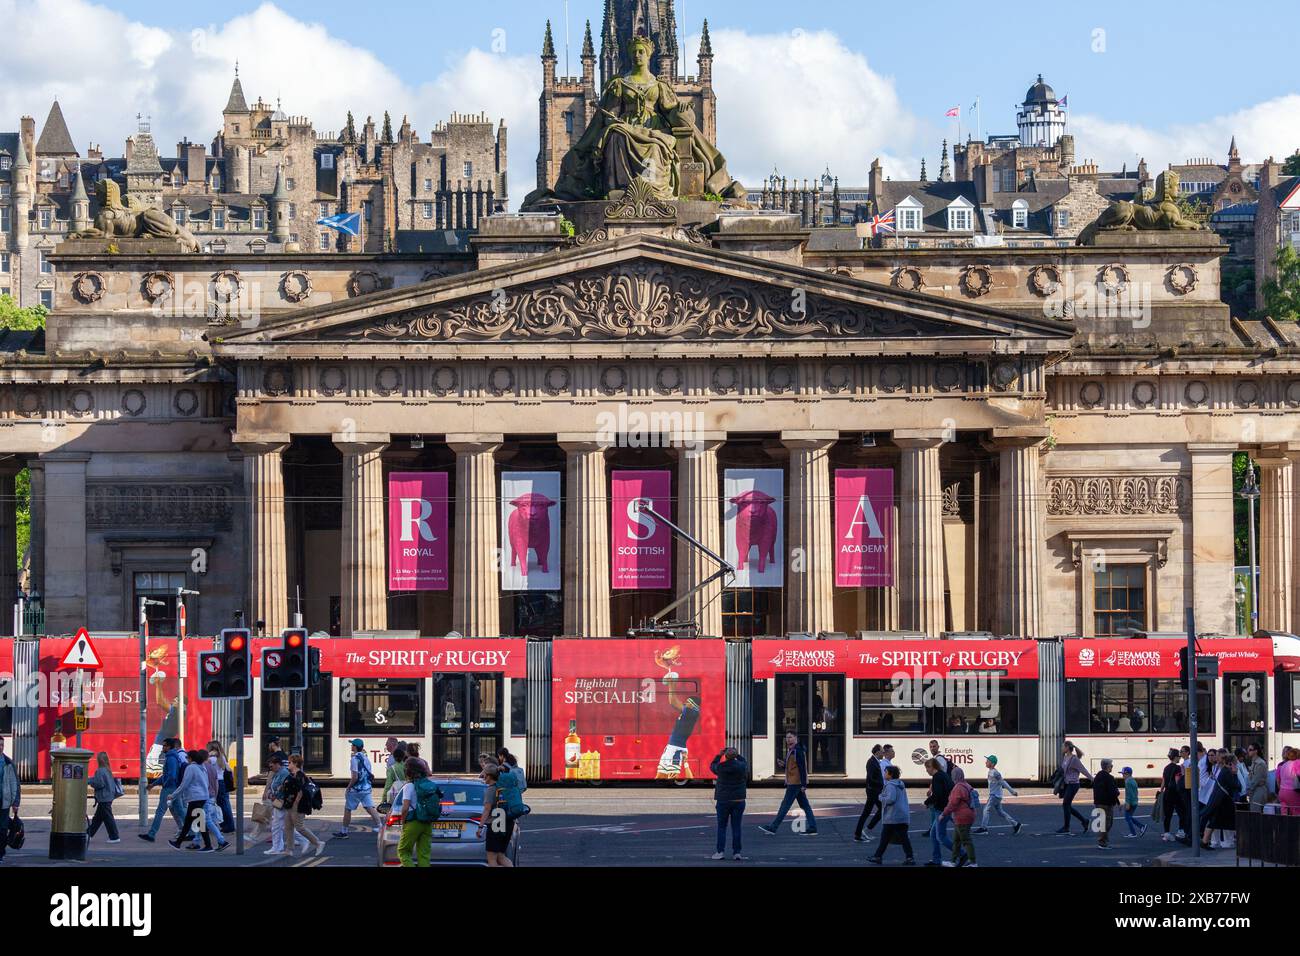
(641, 545)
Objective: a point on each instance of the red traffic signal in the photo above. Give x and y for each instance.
(224, 673)
(285, 667)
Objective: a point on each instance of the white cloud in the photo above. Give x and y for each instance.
(1271, 128)
(803, 101)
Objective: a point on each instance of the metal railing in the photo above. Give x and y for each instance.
(1269, 839)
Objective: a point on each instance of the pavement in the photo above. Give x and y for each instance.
(654, 826)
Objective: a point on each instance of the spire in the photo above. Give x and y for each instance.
(588, 48)
(78, 187)
(20, 161)
(387, 136)
(55, 140)
(706, 44)
(945, 168)
(1232, 149)
(349, 130)
(281, 193)
(236, 103)
(548, 44)
(924, 177)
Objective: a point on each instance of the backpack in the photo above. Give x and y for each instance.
(312, 792)
(974, 797)
(428, 801)
(508, 793)
(365, 778)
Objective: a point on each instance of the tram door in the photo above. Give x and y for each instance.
(1245, 711)
(277, 721)
(812, 707)
(467, 720)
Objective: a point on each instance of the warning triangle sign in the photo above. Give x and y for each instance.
(81, 654)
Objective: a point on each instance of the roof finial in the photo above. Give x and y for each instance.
(236, 69)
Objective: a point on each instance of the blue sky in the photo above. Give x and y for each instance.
(863, 79)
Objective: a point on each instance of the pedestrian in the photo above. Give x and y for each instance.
(1220, 811)
(167, 782)
(1105, 795)
(361, 786)
(193, 792)
(944, 763)
(961, 812)
(875, 787)
(1070, 770)
(509, 762)
(729, 790)
(106, 789)
(279, 777)
(394, 777)
(895, 817)
(297, 805)
(936, 798)
(212, 816)
(1135, 829)
(11, 793)
(416, 840)
(1185, 792)
(499, 826)
(998, 789)
(272, 749)
(1256, 778)
(262, 814)
(225, 785)
(1171, 797)
(413, 750)
(796, 788)
(1288, 782)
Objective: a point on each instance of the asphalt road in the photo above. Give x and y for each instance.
(652, 826)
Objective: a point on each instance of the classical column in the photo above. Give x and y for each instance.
(1020, 536)
(65, 542)
(36, 544)
(1276, 541)
(8, 550)
(586, 539)
(1213, 552)
(882, 603)
(699, 516)
(364, 569)
(809, 601)
(920, 533)
(268, 579)
(476, 588)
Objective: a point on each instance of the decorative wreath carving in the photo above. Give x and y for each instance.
(1183, 278)
(1196, 394)
(1005, 375)
(613, 379)
(780, 379)
(838, 378)
(725, 378)
(909, 279)
(388, 381)
(364, 282)
(332, 380)
(81, 402)
(295, 286)
(186, 402)
(88, 287)
(1045, 280)
(277, 380)
(1113, 278)
(133, 402)
(501, 380)
(445, 380)
(156, 286)
(1144, 394)
(668, 379)
(1091, 394)
(556, 380)
(976, 281)
(226, 286)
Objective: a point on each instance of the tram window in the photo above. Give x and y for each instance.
(1295, 703)
(382, 707)
(1135, 706)
(876, 711)
(758, 711)
(1169, 706)
(1119, 706)
(518, 707)
(6, 708)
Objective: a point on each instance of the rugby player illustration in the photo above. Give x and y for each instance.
(674, 765)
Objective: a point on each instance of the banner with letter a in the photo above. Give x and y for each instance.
(417, 531)
(641, 544)
(864, 527)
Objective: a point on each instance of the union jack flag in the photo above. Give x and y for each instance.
(883, 223)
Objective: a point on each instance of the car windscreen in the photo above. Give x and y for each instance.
(461, 794)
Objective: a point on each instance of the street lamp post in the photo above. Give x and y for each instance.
(1250, 492)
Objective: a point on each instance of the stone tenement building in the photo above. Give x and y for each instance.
(404, 188)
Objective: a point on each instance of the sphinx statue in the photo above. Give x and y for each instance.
(642, 133)
(132, 220)
(1161, 213)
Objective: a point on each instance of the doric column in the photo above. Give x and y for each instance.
(809, 598)
(1213, 552)
(65, 542)
(586, 539)
(268, 579)
(920, 533)
(36, 544)
(364, 584)
(1020, 536)
(476, 587)
(882, 603)
(8, 549)
(699, 516)
(1276, 541)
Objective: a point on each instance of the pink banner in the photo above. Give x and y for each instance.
(642, 545)
(417, 531)
(864, 527)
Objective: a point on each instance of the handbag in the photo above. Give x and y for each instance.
(118, 789)
(1158, 811)
(228, 780)
(17, 833)
(261, 813)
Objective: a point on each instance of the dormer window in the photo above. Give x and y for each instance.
(326, 160)
(1020, 214)
(46, 218)
(907, 214)
(6, 163)
(218, 218)
(178, 215)
(961, 216)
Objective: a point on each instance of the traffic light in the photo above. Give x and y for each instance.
(224, 674)
(285, 667)
(1207, 665)
(313, 666)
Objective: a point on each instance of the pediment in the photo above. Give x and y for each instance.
(641, 289)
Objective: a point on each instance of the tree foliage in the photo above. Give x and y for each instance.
(1291, 167)
(1282, 293)
(12, 317)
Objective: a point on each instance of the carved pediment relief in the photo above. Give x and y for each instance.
(643, 300)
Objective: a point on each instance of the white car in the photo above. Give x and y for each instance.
(456, 838)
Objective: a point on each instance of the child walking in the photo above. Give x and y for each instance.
(1135, 829)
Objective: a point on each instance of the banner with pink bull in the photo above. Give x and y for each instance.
(530, 531)
(641, 544)
(753, 526)
(864, 528)
(417, 531)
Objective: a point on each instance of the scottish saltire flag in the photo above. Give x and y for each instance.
(1065, 102)
(883, 223)
(955, 111)
(345, 222)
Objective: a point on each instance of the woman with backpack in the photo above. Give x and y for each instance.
(106, 789)
(420, 803)
(499, 826)
(298, 803)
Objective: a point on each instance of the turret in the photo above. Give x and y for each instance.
(80, 203)
(280, 208)
(945, 168)
(22, 194)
